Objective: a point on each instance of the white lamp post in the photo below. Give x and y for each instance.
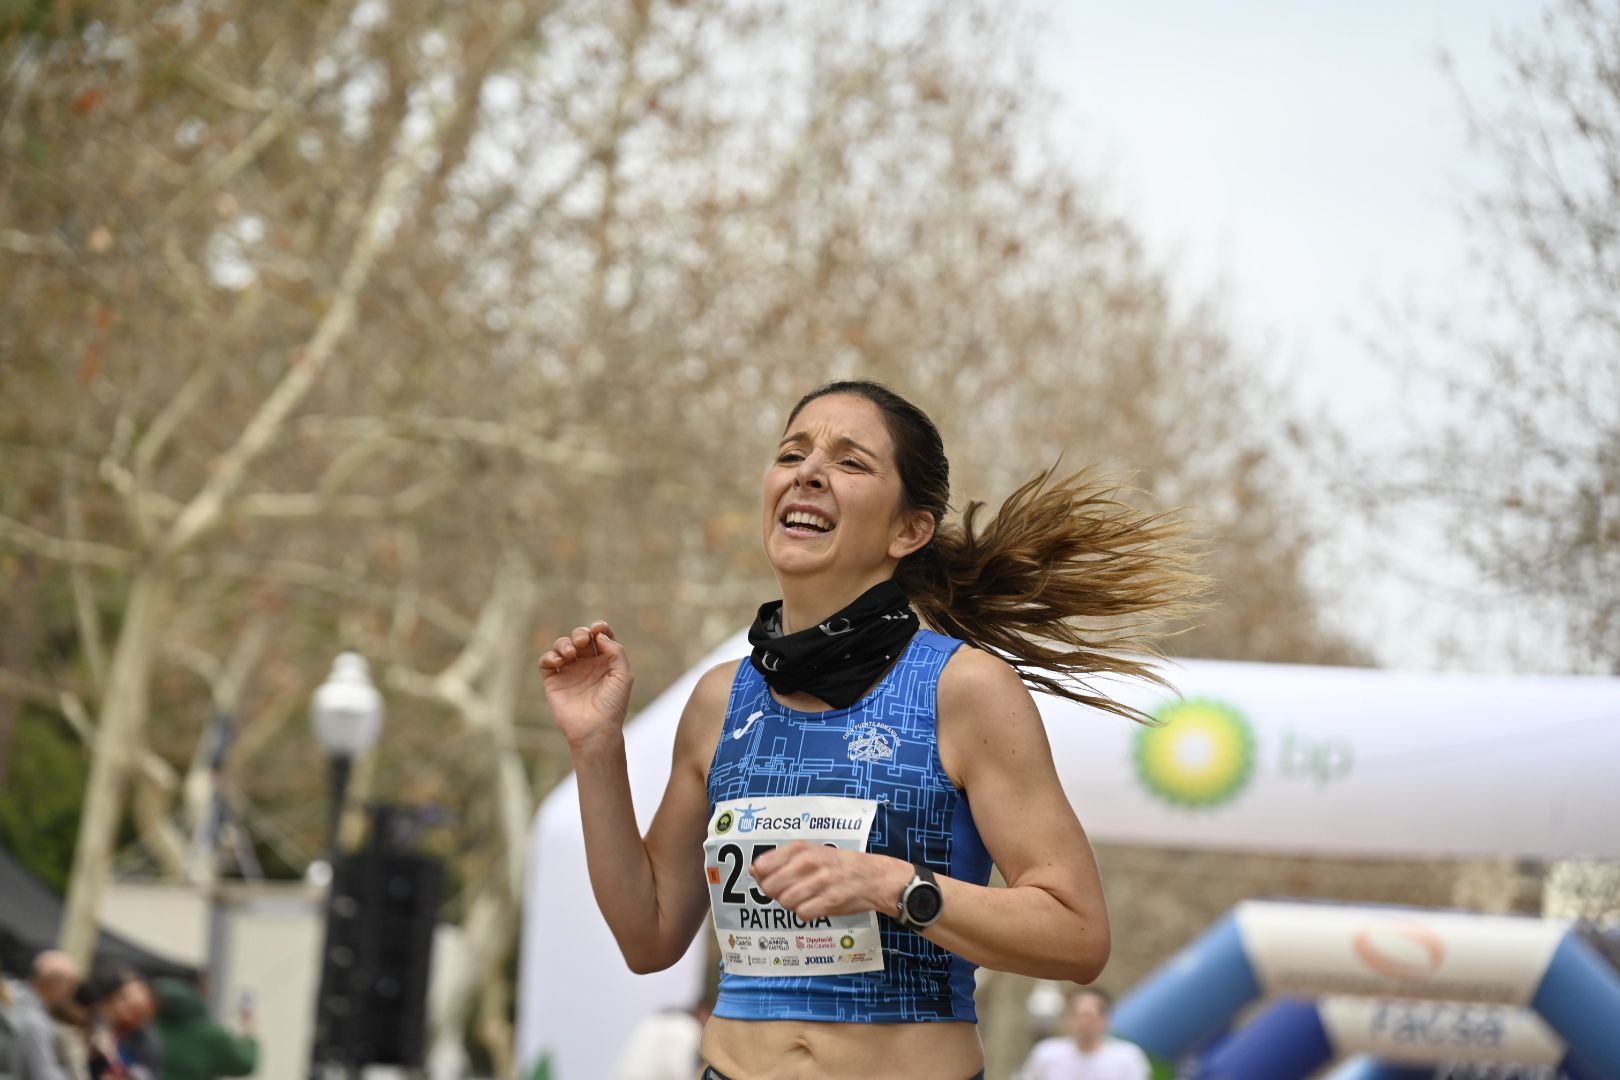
(1045, 1006)
(348, 717)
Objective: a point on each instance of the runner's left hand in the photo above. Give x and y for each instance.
(812, 880)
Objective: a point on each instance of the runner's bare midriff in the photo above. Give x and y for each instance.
(813, 1050)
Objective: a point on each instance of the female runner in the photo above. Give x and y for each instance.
(838, 798)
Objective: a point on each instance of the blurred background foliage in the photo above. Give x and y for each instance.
(323, 317)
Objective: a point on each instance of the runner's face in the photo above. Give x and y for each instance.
(833, 495)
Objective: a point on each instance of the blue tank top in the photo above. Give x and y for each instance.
(885, 747)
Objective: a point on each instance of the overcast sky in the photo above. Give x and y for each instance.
(1307, 158)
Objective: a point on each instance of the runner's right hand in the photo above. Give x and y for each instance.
(588, 684)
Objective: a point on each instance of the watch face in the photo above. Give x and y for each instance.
(922, 906)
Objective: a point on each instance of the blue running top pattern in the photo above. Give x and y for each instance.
(883, 747)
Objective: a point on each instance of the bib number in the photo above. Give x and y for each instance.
(757, 935)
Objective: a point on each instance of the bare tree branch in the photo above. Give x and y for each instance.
(315, 576)
(219, 87)
(85, 612)
(302, 507)
(503, 436)
(88, 552)
(268, 719)
(267, 130)
(205, 511)
(353, 457)
(21, 243)
(192, 393)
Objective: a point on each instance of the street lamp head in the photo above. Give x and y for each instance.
(1045, 1005)
(348, 710)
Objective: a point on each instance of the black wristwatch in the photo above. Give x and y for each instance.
(920, 901)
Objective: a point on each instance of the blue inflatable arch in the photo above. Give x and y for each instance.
(1366, 1068)
(1270, 949)
(1293, 1038)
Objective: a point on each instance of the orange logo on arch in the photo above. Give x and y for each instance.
(1400, 950)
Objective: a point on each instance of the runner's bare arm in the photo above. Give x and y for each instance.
(650, 889)
(674, 841)
(1051, 920)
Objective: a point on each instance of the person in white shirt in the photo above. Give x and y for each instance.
(664, 1046)
(1086, 1051)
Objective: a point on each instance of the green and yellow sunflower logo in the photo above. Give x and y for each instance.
(1200, 756)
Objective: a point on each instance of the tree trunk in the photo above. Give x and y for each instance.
(494, 1012)
(515, 802)
(123, 715)
(486, 935)
(491, 921)
(159, 835)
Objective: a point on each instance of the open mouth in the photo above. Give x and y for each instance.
(806, 523)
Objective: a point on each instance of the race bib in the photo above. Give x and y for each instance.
(757, 935)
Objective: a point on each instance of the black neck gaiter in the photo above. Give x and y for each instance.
(839, 660)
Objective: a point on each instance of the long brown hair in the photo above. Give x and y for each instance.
(1066, 581)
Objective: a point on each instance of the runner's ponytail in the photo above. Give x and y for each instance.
(1065, 582)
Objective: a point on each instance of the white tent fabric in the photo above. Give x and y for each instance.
(1271, 757)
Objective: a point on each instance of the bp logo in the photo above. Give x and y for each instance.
(722, 824)
(1200, 756)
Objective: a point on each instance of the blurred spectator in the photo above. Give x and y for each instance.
(1086, 1051)
(8, 1034)
(195, 1047)
(665, 1045)
(123, 1044)
(49, 990)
